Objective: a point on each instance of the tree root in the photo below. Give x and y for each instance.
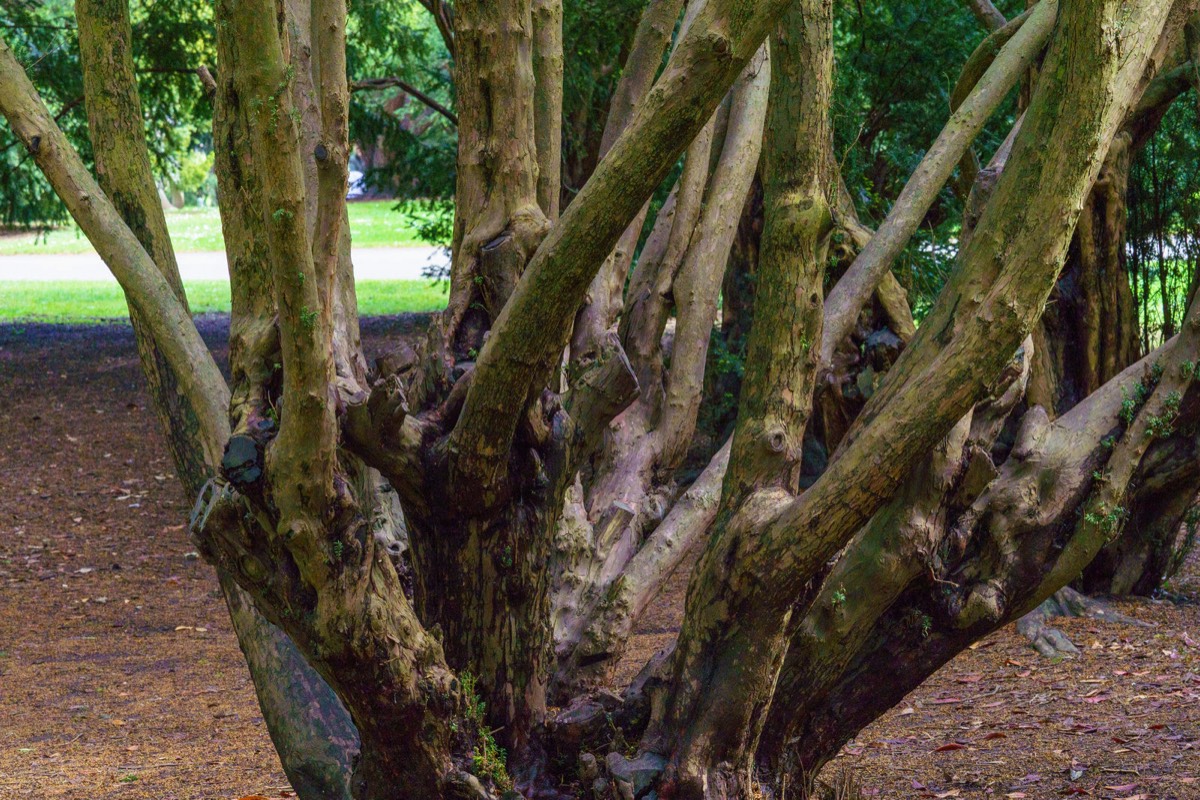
(1066, 602)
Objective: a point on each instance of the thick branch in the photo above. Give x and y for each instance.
(302, 457)
(897, 547)
(777, 389)
(498, 221)
(999, 551)
(332, 151)
(124, 173)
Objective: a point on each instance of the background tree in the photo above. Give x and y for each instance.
(533, 440)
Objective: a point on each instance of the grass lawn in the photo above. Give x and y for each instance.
(86, 301)
(373, 223)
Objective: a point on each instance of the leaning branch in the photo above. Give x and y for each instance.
(853, 290)
(144, 286)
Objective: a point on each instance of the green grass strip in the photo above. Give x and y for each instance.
(93, 302)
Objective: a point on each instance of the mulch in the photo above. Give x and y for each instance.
(120, 676)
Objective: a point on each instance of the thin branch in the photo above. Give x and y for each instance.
(650, 41)
(377, 84)
(988, 15)
(697, 288)
(208, 81)
(857, 285)
(982, 57)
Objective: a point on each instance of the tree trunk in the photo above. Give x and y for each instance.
(938, 517)
(1089, 332)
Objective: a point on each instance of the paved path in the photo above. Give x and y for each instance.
(391, 263)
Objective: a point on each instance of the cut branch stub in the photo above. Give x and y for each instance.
(242, 463)
(602, 392)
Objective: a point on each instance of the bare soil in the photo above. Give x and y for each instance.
(120, 676)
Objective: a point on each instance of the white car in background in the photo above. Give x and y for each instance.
(356, 185)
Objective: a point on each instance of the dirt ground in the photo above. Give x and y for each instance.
(120, 676)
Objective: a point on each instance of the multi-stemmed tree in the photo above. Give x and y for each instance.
(528, 446)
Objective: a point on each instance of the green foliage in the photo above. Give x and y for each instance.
(1132, 402)
(488, 759)
(308, 318)
(1163, 248)
(408, 150)
(1109, 522)
(170, 37)
(195, 179)
(723, 372)
(42, 36)
(896, 66)
(596, 37)
(1160, 426)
